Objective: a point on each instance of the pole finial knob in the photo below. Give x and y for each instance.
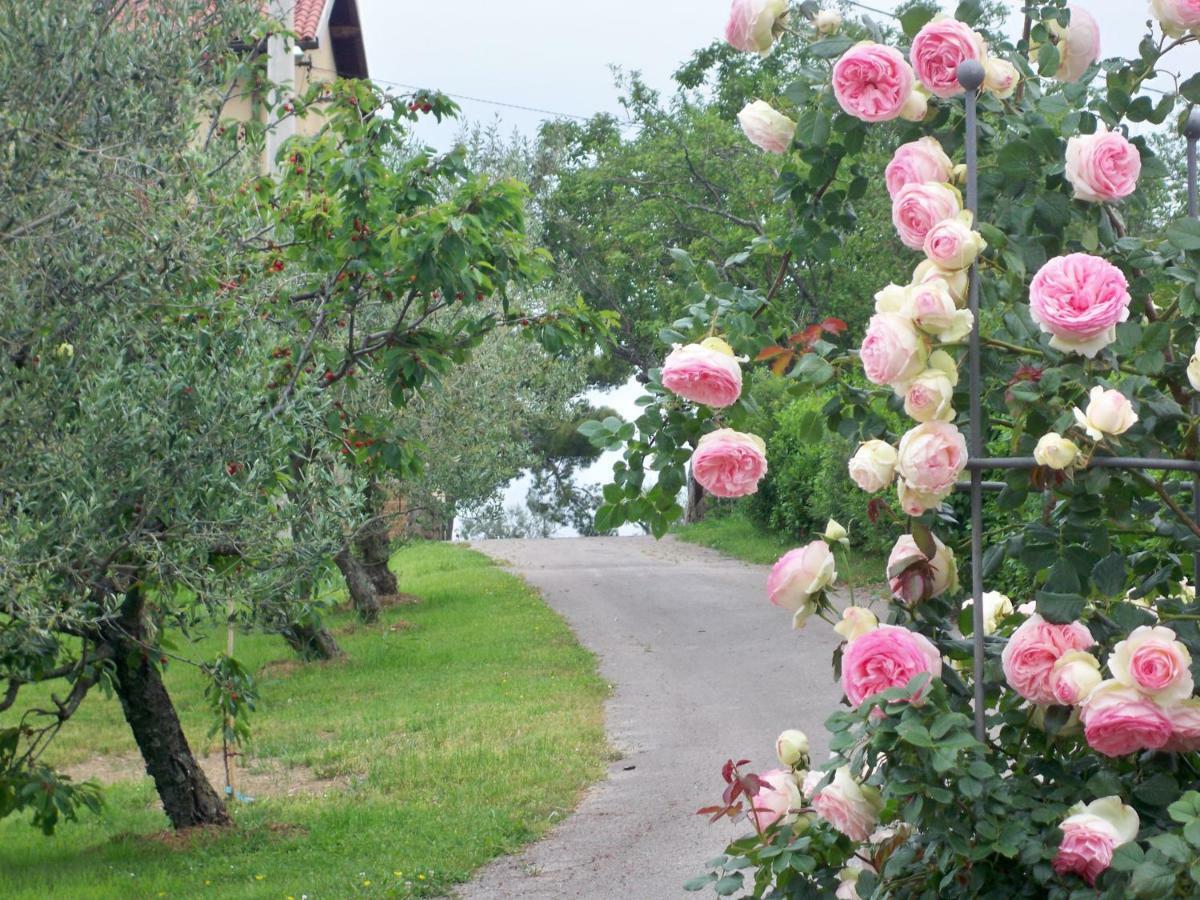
(970, 74)
(1191, 128)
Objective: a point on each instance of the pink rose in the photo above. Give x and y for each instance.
(728, 463)
(1078, 43)
(1102, 166)
(916, 163)
(930, 459)
(1032, 651)
(799, 576)
(1155, 662)
(1075, 675)
(918, 207)
(888, 657)
(1079, 299)
(872, 82)
(704, 373)
(892, 353)
(1091, 833)
(754, 24)
(765, 128)
(777, 799)
(935, 312)
(956, 281)
(938, 49)
(1001, 78)
(851, 808)
(1118, 720)
(1185, 726)
(952, 244)
(1177, 16)
(914, 577)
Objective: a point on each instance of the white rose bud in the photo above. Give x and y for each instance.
(1193, 369)
(765, 127)
(930, 396)
(1108, 412)
(1055, 451)
(873, 466)
(956, 281)
(856, 621)
(792, 747)
(835, 533)
(827, 21)
(915, 108)
(1000, 78)
(996, 606)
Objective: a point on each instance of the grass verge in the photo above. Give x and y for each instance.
(735, 535)
(454, 731)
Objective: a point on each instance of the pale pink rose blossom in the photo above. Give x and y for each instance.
(956, 281)
(778, 799)
(873, 466)
(917, 162)
(916, 107)
(1000, 78)
(937, 51)
(1029, 656)
(847, 888)
(933, 310)
(930, 396)
(1090, 835)
(704, 374)
(930, 459)
(851, 808)
(1153, 660)
(1185, 726)
(1103, 166)
(888, 657)
(1078, 43)
(953, 244)
(1079, 299)
(919, 207)
(1118, 720)
(913, 577)
(892, 352)
(728, 463)
(766, 128)
(1109, 413)
(1074, 676)
(1177, 17)
(872, 82)
(799, 576)
(754, 24)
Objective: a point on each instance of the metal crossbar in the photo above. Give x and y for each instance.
(971, 76)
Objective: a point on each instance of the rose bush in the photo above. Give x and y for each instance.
(1088, 302)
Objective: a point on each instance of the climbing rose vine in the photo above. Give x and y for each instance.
(1083, 784)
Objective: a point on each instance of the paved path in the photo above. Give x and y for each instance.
(702, 668)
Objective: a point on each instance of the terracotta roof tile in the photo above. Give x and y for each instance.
(307, 16)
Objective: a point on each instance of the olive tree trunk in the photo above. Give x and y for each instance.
(311, 643)
(695, 500)
(374, 545)
(363, 595)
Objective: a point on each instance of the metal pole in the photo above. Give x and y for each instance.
(1191, 131)
(970, 76)
(982, 464)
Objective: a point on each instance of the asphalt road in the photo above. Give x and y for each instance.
(703, 668)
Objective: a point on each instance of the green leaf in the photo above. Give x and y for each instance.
(1127, 857)
(1109, 575)
(830, 48)
(915, 19)
(1059, 609)
(1191, 831)
(700, 882)
(728, 885)
(1184, 234)
(1191, 89)
(1157, 790)
(913, 732)
(1152, 880)
(1186, 808)
(1172, 846)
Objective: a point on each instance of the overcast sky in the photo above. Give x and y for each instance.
(555, 56)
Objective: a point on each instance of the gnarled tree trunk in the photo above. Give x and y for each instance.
(695, 500)
(311, 643)
(374, 546)
(187, 797)
(363, 595)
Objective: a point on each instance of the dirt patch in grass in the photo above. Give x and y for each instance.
(400, 599)
(253, 777)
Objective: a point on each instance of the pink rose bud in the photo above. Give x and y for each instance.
(916, 107)
(918, 207)
(706, 373)
(1079, 299)
(1103, 166)
(728, 463)
(856, 621)
(1118, 720)
(952, 244)
(1000, 78)
(938, 50)
(931, 457)
(873, 466)
(1155, 662)
(777, 800)
(892, 352)
(1074, 676)
(1029, 656)
(888, 657)
(916, 163)
(1054, 451)
(754, 24)
(851, 808)
(914, 577)
(956, 281)
(798, 577)
(930, 396)
(765, 128)
(872, 82)
(1090, 835)
(1108, 414)
(1185, 726)
(1177, 17)
(1078, 43)
(933, 310)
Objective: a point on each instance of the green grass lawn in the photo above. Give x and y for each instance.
(455, 730)
(735, 535)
